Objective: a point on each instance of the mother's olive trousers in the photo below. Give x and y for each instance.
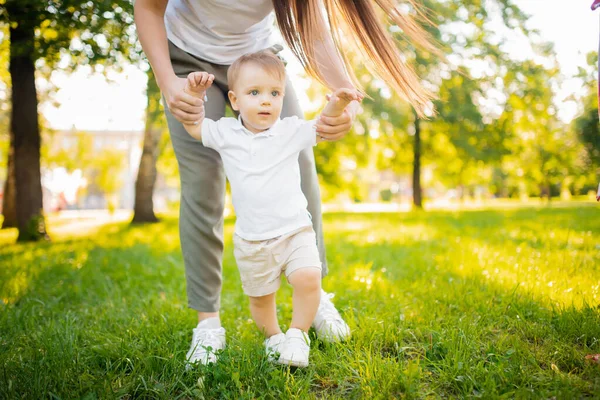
(203, 188)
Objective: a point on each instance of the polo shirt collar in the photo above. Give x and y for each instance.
(239, 126)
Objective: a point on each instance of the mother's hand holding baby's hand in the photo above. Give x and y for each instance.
(335, 128)
(185, 107)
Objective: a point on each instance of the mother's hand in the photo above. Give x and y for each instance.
(335, 128)
(186, 108)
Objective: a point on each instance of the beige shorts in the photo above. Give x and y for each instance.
(261, 262)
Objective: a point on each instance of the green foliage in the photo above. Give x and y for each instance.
(441, 305)
(86, 31)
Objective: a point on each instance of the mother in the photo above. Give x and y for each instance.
(181, 36)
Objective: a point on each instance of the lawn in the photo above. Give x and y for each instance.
(490, 303)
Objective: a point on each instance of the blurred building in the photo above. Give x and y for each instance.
(77, 189)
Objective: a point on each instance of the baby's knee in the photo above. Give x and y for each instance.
(306, 279)
(261, 301)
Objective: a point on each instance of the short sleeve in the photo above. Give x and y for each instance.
(303, 133)
(212, 134)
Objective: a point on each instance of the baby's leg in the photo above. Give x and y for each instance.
(264, 314)
(303, 271)
(307, 294)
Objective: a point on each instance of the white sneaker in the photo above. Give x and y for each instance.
(295, 349)
(273, 346)
(207, 339)
(328, 322)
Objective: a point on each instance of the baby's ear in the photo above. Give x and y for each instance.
(233, 100)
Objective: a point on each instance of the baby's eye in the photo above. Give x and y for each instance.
(254, 92)
(275, 93)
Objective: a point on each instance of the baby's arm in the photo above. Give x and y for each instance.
(197, 84)
(338, 102)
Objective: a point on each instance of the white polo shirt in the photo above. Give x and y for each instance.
(220, 31)
(264, 173)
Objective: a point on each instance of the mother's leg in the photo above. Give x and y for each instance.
(201, 230)
(201, 210)
(202, 194)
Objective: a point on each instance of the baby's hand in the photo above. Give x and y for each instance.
(347, 95)
(198, 83)
(339, 100)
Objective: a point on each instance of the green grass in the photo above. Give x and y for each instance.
(491, 304)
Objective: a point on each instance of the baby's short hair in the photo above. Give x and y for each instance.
(265, 59)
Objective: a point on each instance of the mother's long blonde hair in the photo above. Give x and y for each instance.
(297, 21)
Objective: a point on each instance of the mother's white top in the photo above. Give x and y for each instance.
(219, 31)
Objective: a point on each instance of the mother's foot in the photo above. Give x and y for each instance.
(328, 322)
(207, 340)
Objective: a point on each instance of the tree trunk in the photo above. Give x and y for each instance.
(9, 200)
(544, 191)
(417, 196)
(25, 128)
(143, 210)
(462, 195)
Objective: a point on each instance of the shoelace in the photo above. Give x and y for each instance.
(327, 309)
(209, 338)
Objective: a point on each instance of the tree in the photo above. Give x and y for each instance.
(6, 142)
(143, 210)
(485, 101)
(587, 125)
(454, 142)
(543, 151)
(9, 209)
(464, 122)
(41, 33)
(416, 179)
(24, 127)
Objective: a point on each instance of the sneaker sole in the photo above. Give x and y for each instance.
(293, 363)
(212, 359)
(333, 339)
(191, 365)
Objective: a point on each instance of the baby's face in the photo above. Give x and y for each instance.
(258, 96)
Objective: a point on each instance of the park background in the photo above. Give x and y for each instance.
(466, 242)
